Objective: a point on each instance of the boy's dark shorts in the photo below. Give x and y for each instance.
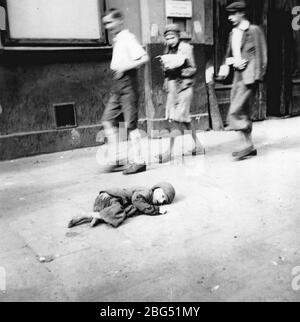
(124, 101)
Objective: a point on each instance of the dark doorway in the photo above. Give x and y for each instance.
(284, 60)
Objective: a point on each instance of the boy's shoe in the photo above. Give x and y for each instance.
(113, 168)
(135, 168)
(241, 155)
(118, 167)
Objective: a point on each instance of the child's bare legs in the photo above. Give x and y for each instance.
(92, 218)
(169, 154)
(198, 147)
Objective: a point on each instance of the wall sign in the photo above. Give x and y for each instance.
(179, 9)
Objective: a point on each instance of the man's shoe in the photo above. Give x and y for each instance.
(114, 168)
(242, 152)
(135, 168)
(249, 152)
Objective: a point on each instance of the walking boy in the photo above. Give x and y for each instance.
(128, 56)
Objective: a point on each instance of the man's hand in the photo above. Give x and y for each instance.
(241, 65)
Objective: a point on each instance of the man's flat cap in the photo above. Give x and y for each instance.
(236, 6)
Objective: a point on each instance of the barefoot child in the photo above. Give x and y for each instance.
(114, 206)
(180, 69)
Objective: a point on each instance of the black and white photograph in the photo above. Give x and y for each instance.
(149, 153)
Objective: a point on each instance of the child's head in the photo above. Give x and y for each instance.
(163, 193)
(172, 35)
(113, 20)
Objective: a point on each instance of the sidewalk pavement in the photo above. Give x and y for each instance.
(231, 235)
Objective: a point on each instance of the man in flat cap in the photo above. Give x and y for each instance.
(247, 54)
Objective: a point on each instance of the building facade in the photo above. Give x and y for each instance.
(54, 66)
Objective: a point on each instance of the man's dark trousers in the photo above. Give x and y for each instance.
(242, 97)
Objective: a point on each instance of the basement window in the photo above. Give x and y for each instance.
(65, 115)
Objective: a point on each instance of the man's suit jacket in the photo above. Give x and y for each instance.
(254, 50)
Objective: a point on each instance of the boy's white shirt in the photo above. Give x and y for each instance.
(126, 50)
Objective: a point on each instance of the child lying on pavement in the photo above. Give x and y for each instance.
(114, 206)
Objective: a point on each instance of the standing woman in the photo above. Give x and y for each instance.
(179, 68)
